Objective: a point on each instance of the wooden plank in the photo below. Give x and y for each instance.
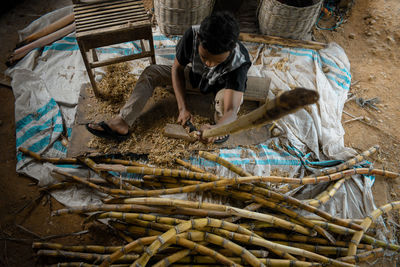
(177, 131)
(265, 39)
(109, 16)
(127, 24)
(106, 23)
(120, 59)
(81, 6)
(111, 10)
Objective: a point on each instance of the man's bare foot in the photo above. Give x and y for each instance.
(117, 124)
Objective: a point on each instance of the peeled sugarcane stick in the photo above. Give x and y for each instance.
(93, 257)
(351, 162)
(368, 255)
(217, 207)
(286, 103)
(269, 244)
(305, 239)
(22, 51)
(367, 222)
(293, 201)
(366, 238)
(326, 195)
(61, 23)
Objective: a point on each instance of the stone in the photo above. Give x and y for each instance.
(352, 35)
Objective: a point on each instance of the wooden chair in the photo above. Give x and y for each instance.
(104, 23)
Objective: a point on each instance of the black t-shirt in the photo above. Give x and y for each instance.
(235, 79)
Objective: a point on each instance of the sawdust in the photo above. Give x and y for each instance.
(281, 65)
(146, 135)
(278, 172)
(114, 89)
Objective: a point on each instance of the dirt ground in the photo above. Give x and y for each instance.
(371, 39)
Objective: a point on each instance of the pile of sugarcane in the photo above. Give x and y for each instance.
(164, 231)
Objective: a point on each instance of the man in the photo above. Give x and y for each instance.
(219, 65)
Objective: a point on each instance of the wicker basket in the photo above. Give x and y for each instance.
(286, 21)
(174, 17)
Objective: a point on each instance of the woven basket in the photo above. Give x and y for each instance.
(174, 17)
(277, 19)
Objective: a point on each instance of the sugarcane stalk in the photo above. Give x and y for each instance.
(258, 253)
(217, 207)
(167, 261)
(367, 222)
(304, 239)
(135, 230)
(85, 248)
(366, 238)
(286, 103)
(288, 212)
(188, 166)
(326, 195)
(297, 203)
(37, 157)
(128, 217)
(206, 261)
(325, 250)
(141, 208)
(225, 163)
(351, 162)
(82, 264)
(269, 244)
(362, 257)
(92, 257)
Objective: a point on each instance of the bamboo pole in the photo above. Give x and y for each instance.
(217, 207)
(286, 103)
(351, 162)
(274, 40)
(367, 222)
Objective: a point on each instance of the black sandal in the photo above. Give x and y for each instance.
(107, 132)
(222, 140)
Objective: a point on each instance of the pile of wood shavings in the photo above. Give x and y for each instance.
(114, 89)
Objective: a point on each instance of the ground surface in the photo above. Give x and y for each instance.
(371, 39)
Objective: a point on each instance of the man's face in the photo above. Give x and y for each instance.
(211, 60)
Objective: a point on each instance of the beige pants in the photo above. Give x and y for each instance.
(160, 75)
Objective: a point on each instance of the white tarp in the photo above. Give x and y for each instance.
(47, 82)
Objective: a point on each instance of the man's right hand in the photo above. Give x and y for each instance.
(184, 116)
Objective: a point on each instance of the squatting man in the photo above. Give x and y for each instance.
(210, 59)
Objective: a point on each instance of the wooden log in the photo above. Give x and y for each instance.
(274, 40)
(177, 131)
(61, 23)
(284, 104)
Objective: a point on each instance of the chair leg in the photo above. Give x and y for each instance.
(88, 69)
(153, 57)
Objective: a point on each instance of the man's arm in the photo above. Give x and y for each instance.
(178, 83)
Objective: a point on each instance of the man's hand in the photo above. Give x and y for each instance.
(184, 116)
(202, 129)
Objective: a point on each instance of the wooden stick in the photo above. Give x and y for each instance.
(274, 40)
(286, 103)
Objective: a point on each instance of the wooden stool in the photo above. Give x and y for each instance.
(105, 23)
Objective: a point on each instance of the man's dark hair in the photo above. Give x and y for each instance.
(219, 33)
